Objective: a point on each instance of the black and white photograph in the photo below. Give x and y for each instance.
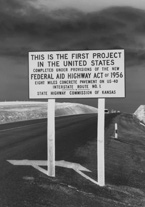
(72, 103)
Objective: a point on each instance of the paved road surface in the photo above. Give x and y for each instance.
(22, 185)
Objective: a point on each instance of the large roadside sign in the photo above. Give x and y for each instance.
(76, 74)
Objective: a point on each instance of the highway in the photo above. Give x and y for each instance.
(28, 140)
(25, 186)
(23, 140)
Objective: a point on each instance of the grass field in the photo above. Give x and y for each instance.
(124, 163)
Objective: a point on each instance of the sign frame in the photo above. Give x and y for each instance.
(55, 87)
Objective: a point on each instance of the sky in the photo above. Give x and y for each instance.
(45, 25)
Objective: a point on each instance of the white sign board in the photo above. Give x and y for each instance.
(76, 74)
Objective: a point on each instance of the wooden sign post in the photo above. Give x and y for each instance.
(51, 138)
(101, 142)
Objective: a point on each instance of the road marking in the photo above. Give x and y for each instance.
(87, 177)
(60, 163)
(37, 163)
(3, 130)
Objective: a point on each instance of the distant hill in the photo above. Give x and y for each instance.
(63, 109)
(20, 111)
(140, 113)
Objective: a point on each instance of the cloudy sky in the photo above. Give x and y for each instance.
(45, 25)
